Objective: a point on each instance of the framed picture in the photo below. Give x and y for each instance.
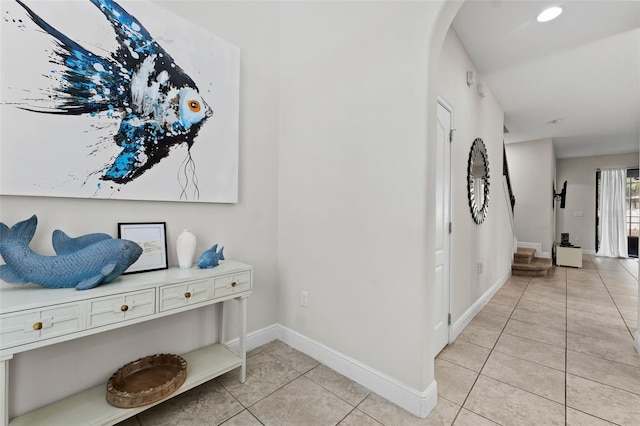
(152, 238)
(82, 77)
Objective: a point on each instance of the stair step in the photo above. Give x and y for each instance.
(537, 268)
(524, 255)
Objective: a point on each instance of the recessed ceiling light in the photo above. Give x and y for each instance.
(549, 14)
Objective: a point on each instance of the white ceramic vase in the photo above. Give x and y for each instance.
(186, 248)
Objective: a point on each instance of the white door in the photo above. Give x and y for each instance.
(443, 220)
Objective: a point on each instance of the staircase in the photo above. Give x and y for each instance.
(527, 265)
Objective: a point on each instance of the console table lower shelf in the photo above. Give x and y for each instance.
(91, 407)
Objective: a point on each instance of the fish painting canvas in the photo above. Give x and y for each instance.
(118, 100)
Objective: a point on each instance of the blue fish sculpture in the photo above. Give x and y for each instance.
(97, 263)
(159, 104)
(211, 258)
(64, 244)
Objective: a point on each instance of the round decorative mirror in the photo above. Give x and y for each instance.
(478, 181)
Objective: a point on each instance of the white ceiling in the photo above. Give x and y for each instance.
(582, 68)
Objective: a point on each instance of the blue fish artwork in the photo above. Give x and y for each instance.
(158, 104)
(97, 263)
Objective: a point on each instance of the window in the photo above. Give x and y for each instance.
(633, 203)
(632, 211)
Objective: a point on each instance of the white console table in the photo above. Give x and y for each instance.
(32, 317)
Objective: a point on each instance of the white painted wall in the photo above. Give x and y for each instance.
(491, 242)
(248, 230)
(354, 223)
(532, 166)
(338, 106)
(580, 174)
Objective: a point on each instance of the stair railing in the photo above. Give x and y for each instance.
(508, 193)
(505, 185)
(505, 173)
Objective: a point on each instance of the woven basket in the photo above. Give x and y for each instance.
(146, 380)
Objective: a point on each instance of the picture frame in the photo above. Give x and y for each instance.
(39, 84)
(152, 237)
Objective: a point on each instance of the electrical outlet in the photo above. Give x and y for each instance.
(304, 298)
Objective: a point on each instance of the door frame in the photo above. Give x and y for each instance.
(442, 102)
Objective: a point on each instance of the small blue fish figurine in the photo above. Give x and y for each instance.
(97, 263)
(211, 258)
(64, 244)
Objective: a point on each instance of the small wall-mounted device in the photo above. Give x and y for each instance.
(481, 90)
(471, 78)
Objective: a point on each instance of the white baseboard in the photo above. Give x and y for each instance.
(592, 252)
(525, 244)
(416, 402)
(256, 338)
(538, 247)
(465, 319)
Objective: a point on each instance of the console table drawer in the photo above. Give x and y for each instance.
(231, 284)
(37, 324)
(122, 307)
(178, 295)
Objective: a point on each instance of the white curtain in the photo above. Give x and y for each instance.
(613, 232)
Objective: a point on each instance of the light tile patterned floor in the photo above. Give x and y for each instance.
(556, 350)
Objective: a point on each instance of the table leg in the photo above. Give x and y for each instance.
(223, 333)
(243, 338)
(4, 390)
